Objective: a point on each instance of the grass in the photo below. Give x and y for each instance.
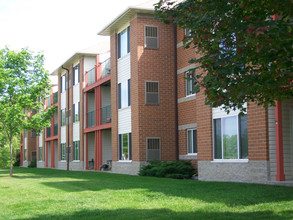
(56, 194)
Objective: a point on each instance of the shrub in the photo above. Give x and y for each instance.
(33, 164)
(178, 169)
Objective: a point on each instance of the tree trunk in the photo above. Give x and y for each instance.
(11, 156)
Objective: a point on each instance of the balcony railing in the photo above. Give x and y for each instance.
(55, 97)
(55, 129)
(91, 119)
(106, 114)
(91, 76)
(106, 68)
(48, 132)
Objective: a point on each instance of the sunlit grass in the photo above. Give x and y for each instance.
(56, 194)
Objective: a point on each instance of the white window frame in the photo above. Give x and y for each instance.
(190, 129)
(76, 82)
(78, 151)
(64, 152)
(124, 30)
(119, 160)
(188, 81)
(238, 159)
(40, 160)
(63, 83)
(145, 26)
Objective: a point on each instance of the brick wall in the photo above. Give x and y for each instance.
(114, 108)
(155, 65)
(257, 125)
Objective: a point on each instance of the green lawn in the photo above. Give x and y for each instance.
(56, 194)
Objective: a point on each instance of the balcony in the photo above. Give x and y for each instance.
(91, 119)
(55, 97)
(106, 68)
(55, 129)
(91, 76)
(48, 132)
(106, 114)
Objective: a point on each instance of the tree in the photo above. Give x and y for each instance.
(23, 83)
(245, 46)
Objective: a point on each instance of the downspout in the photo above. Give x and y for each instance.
(176, 93)
(67, 121)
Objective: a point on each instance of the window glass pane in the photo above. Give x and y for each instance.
(63, 156)
(189, 141)
(124, 94)
(123, 43)
(190, 83)
(243, 137)
(76, 150)
(40, 153)
(230, 137)
(76, 75)
(62, 117)
(125, 147)
(194, 141)
(62, 83)
(217, 139)
(76, 112)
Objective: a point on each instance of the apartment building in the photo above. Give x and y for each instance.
(157, 115)
(147, 109)
(79, 137)
(27, 146)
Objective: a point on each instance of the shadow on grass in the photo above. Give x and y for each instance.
(231, 194)
(164, 214)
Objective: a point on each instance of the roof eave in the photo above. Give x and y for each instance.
(123, 18)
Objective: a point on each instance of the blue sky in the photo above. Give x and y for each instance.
(59, 28)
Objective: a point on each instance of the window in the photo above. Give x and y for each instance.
(124, 146)
(123, 43)
(40, 153)
(187, 32)
(153, 149)
(192, 141)
(190, 87)
(63, 80)
(76, 112)
(62, 117)
(230, 137)
(76, 75)
(25, 158)
(151, 39)
(152, 93)
(49, 101)
(33, 133)
(63, 151)
(75, 150)
(124, 94)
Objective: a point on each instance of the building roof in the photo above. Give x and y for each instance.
(100, 48)
(145, 8)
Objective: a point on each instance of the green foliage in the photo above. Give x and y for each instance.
(170, 169)
(23, 83)
(5, 150)
(246, 54)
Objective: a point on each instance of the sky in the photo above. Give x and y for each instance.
(58, 28)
